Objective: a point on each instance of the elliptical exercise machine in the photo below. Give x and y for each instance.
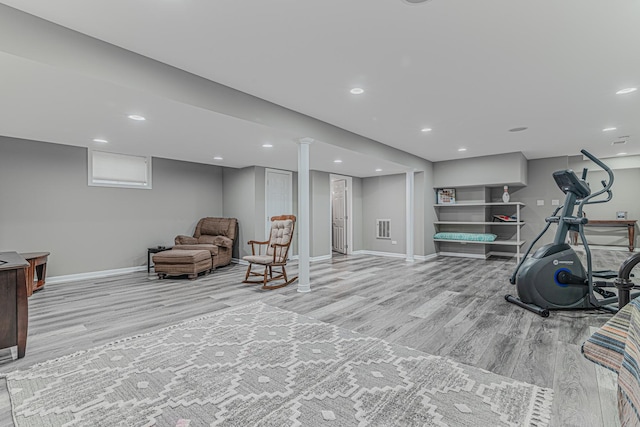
(554, 277)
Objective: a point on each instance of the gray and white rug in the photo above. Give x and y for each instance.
(260, 365)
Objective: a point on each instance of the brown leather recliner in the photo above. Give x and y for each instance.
(217, 235)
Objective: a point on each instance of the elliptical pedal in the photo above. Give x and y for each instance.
(604, 293)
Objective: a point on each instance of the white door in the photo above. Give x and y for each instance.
(278, 195)
(339, 216)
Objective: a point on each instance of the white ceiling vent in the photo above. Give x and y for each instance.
(620, 142)
(415, 1)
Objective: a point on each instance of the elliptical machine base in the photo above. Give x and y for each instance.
(540, 286)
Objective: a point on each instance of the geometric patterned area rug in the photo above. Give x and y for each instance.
(264, 366)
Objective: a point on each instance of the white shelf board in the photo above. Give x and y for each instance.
(441, 205)
(478, 223)
(495, 242)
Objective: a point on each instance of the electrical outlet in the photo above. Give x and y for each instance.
(540, 202)
(555, 202)
(394, 242)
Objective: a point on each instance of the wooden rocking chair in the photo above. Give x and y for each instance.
(272, 253)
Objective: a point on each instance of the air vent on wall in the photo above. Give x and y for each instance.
(382, 228)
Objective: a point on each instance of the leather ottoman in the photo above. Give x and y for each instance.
(181, 262)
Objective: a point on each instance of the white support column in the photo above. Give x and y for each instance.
(304, 285)
(410, 216)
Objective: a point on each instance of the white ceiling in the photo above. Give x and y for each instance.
(468, 69)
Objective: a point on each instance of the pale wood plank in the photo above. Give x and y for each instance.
(453, 307)
(575, 404)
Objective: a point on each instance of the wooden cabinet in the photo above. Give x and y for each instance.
(13, 301)
(476, 214)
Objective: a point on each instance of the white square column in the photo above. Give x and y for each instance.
(304, 284)
(410, 216)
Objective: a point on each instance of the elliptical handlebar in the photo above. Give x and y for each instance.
(606, 184)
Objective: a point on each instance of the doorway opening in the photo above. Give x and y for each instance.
(341, 215)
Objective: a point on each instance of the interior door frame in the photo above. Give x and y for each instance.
(349, 202)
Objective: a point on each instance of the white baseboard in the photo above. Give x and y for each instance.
(320, 258)
(292, 258)
(376, 253)
(120, 271)
(425, 257)
(395, 255)
(94, 274)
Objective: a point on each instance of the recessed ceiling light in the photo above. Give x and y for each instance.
(337, 161)
(357, 91)
(621, 154)
(626, 90)
(136, 117)
(100, 140)
(518, 129)
(217, 158)
(267, 145)
(426, 130)
(378, 170)
(608, 129)
(462, 149)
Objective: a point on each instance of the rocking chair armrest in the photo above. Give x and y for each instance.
(253, 244)
(273, 245)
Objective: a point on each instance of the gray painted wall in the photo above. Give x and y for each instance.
(260, 206)
(244, 199)
(239, 189)
(428, 184)
(542, 187)
(48, 206)
(320, 213)
(384, 198)
(502, 169)
(419, 213)
(625, 197)
(357, 212)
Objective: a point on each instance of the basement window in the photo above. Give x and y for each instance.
(119, 170)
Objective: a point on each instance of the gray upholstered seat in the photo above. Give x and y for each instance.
(217, 235)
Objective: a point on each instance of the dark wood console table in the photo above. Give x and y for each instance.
(37, 270)
(13, 302)
(629, 223)
(155, 250)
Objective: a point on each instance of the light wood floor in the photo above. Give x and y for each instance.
(452, 307)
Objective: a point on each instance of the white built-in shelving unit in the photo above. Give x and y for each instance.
(477, 217)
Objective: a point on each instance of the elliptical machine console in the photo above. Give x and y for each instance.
(553, 278)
